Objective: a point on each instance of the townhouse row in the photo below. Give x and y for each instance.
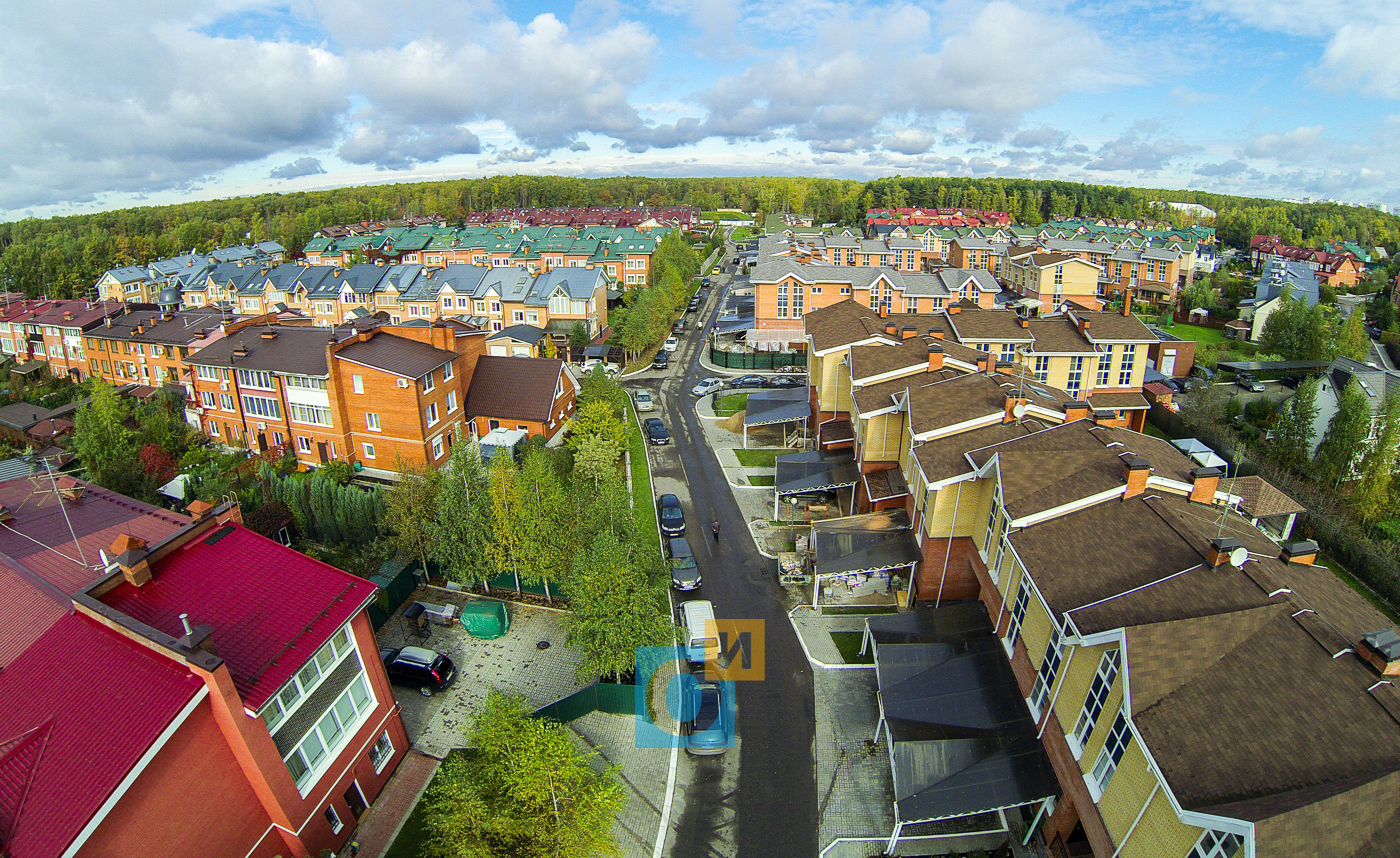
(1335, 268)
(223, 694)
(1194, 683)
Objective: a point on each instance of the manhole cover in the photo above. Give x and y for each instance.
(542, 645)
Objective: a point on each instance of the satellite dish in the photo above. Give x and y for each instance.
(1019, 410)
(1239, 556)
(103, 554)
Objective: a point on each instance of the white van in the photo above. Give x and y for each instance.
(695, 615)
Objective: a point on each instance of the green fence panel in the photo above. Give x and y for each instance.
(617, 698)
(756, 360)
(507, 582)
(377, 617)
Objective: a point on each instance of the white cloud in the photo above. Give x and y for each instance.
(1287, 147)
(304, 166)
(1139, 149)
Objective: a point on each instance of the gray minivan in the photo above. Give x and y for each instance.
(685, 575)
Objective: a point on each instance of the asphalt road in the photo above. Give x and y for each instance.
(770, 808)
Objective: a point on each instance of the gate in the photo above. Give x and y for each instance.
(610, 697)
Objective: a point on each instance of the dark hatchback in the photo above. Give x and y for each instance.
(656, 431)
(744, 381)
(416, 667)
(672, 517)
(787, 381)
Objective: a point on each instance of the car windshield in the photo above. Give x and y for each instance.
(670, 513)
(680, 564)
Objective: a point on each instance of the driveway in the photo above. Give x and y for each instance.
(514, 662)
(773, 769)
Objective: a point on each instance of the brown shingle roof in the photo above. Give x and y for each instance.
(1259, 498)
(847, 322)
(1107, 326)
(396, 355)
(1058, 335)
(946, 457)
(952, 401)
(514, 387)
(993, 325)
(295, 350)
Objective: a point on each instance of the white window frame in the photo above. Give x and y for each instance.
(308, 414)
(451, 401)
(382, 752)
(357, 383)
(255, 378)
(208, 399)
(437, 447)
(1094, 702)
(428, 383)
(262, 406)
(1115, 744)
(1055, 650)
(1125, 373)
(1217, 844)
(304, 681)
(1018, 617)
(368, 450)
(431, 412)
(447, 371)
(303, 444)
(228, 403)
(334, 819)
(372, 421)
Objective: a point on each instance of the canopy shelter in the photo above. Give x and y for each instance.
(1199, 452)
(852, 550)
(812, 471)
(768, 407)
(1274, 366)
(960, 738)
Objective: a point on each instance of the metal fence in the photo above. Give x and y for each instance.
(613, 698)
(756, 360)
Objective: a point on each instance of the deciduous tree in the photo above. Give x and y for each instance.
(1347, 431)
(615, 609)
(411, 510)
(1372, 499)
(1293, 430)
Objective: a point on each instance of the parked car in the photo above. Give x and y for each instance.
(593, 363)
(1249, 382)
(679, 326)
(1290, 381)
(656, 431)
(1204, 373)
(747, 381)
(708, 385)
(416, 667)
(786, 381)
(662, 360)
(707, 717)
(685, 575)
(695, 302)
(1177, 385)
(671, 344)
(671, 515)
(812, 497)
(644, 401)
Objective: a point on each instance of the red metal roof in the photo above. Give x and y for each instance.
(39, 537)
(77, 712)
(270, 607)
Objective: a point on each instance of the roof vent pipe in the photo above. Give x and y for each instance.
(185, 621)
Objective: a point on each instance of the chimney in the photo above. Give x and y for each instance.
(196, 638)
(1023, 321)
(1204, 482)
(935, 357)
(129, 553)
(1220, 550)
(908, 331)
(1135, 473)
(884, 310)
(1127, 302)
(984, 362)
(1012, 400)
(72, 491)
(936, 332)
(240, 351)
(1076, 410)
(1083, 326)
(269, 335)
(954, 309)
(1304, 552)
(1382, 649)
(199, 510)
(891, 329)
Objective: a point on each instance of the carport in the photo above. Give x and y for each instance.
(771, 407)
(812, 471)
(862, 550)
(960, 739)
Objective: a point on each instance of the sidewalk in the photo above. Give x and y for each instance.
(643, 775)
(382, 822)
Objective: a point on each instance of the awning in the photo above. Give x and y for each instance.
(1199, 452)
(765, 407)
(885, 485)
(960, 738)
(874, 542)
(31, 367)
(814, 471)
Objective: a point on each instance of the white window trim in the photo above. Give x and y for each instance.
(380, 764)
(330, 813)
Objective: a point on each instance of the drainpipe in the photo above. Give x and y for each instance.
(1060, 685)
(947, 555)
(1156, 786)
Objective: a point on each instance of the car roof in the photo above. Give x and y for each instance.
(680, 542)
(417, 654)
(668, 498)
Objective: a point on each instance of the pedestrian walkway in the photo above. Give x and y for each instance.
(382, 822)
(814, 630)
(643, 775)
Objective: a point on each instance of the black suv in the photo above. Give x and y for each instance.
(685, 575)
(416, 667)
(672, 518)
(656, 431)
(662, 360)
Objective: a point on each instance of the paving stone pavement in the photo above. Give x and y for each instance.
(436, 724)
(815, 631)
(854, 788)
(643, 774)
(383, 821)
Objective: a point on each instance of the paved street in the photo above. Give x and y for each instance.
(758, 799)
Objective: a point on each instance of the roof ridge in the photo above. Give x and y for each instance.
(12, 805)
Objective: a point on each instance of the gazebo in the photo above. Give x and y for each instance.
(862, 550)
(812, 471)
(771, 407)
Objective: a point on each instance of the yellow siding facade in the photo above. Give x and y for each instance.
(881, 436)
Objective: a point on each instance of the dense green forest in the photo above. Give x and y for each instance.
(63, 257)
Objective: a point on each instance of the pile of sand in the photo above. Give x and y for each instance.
(734, 424)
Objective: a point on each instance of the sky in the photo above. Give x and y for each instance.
(157, 101)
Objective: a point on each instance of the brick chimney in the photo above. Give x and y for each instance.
(935, 357)
(199, 510)
(1204, 482)
(129, 553)
(1076, 410)
(937, 332)
(884, 310)
(1382, 649)
(984, 362)
(907, 332)
(1127, 302)
(891, 329)
(1023, 321)
(1304, 552)
(954, 309)
(1220, 548)
(1135, 473)
(1012, 400)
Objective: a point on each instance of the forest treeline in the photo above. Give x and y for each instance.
(63, 257)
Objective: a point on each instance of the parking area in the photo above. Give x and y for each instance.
(531, 659)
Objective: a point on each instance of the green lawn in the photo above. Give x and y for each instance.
(409, 842)
(1149, 429)
(643, 501)
(761, 480)
(731, 403)
(1197, 333)
(758, 458)
(848, 643)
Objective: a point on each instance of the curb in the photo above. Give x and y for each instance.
(817, 663)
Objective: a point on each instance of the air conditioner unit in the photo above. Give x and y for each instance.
(403, 382)
(223, 385)
(262, 427)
